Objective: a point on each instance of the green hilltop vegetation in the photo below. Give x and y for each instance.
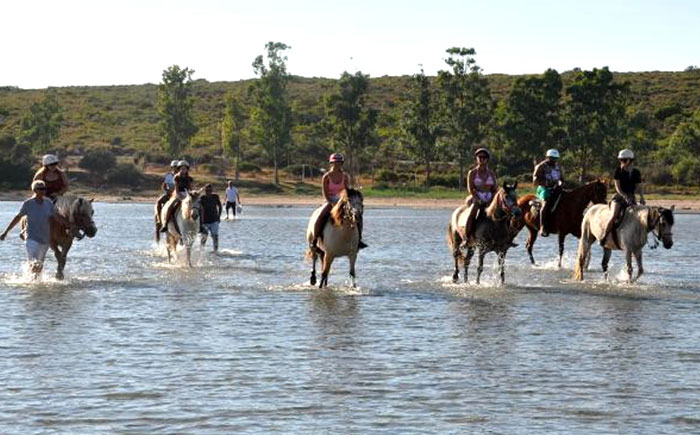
(125, 121)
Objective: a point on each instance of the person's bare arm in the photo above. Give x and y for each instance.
(12, 224)
(640, 191)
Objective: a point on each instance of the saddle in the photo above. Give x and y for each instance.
(167, 215)
(535, 207)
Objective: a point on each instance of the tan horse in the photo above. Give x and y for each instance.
(631, 235)
(78, 213)
(186, 216)
(340, 235)
(494, 230)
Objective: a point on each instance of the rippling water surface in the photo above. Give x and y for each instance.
(129, 342)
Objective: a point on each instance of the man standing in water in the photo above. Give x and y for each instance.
(211, 216)
(39, 210)
(232, 199)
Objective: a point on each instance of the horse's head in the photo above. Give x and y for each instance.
(505, 203)
(81, 216)
(349, 208)
(660, 220)
(191, 207)
(600, 192)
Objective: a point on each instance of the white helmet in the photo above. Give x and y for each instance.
(49, 159)
(183, 163)
(625, 154)
(552, 153)
(174, 163)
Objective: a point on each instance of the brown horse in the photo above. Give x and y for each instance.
(493, 231)
(566, 218)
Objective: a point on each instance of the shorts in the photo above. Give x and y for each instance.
(36, 251)
(212, 228)
(543, 193)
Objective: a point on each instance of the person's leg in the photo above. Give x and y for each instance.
(170, 209)
(614, 211)
(36, 252)
(469, 225)
(214, 231)
(233, 208)
(544, 211)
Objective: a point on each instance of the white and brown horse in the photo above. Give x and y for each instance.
(340, 235)
(184, 218)
(630, 236)
(494, 230)
(78, 213)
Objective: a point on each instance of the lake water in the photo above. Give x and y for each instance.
(130, 343)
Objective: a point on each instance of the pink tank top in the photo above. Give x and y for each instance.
(480, 182)
(334, 189)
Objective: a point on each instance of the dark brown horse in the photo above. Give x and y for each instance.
(566, 218)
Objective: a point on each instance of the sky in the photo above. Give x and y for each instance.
(99, 42)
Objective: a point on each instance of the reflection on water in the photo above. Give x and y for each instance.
(130, 343)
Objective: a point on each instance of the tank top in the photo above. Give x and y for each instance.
(488, 182)
(52, 186)
(334, 189)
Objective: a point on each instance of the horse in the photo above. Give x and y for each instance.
(494, 230)
(566, 218)
(340, 236)
(186, 216)
(78, 213)
(631, 235)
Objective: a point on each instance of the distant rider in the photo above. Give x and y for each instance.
(168, 186)
(54, 178)
(548, 177)
(482, 187)
(628, 182)
(183, 184)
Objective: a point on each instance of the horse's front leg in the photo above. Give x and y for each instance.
(327, 261)
(480, 266)
(456, 254)
(314, 257)
(562, 236)
(628, 258)
(640, 268)
(61, 255)
(502, 266)
(530, 242)
(467, 262)
(352, 258)
(606, 260)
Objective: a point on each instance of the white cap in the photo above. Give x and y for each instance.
(49, 159)
(174, 163)
(38, 183)
(552, 153)
(625, 154)
(183, 163)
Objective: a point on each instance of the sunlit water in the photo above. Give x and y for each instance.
(130, 343)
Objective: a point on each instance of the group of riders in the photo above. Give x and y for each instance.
(548, 177)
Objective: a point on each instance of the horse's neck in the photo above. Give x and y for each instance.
(579, 197)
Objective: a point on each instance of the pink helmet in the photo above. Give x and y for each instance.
(336, 157)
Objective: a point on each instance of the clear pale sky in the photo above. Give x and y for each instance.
(94, 42)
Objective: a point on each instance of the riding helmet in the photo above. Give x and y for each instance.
(482, 150)
(182, 163)
(174, 163)
(336, 157)
(552, 153)
(49, 159)
(626, 154)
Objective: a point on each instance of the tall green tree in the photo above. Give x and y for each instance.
(350, 120)
(175, 103)
(466, 105)
(595, 119)
(421, 122)
(40, 127)
(271, 114)
(232, 126)
(529, 120)
(683, 151)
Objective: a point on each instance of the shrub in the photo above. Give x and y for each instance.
(444, 180)
(659, 175)
(211, 168)
(248, 167)
(98, 161)
(386, 176)
(687, 171)
(125, 174)
(309, 170)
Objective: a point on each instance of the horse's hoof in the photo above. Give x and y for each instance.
(59, 276)
(312, 281)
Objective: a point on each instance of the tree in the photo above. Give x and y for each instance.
(528, 121)
(41, 125)
(421, 123)
(595, 118)
(350, 121)
(98, 162)
(271, 115)
(466, 104)
(683, 151)
(232, 130)
(175, 109)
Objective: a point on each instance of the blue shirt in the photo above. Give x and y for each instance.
(38, 216)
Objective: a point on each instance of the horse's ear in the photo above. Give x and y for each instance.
(515, 186)
(673, 207)
(505, 185)
(80, 202)
(91, 200)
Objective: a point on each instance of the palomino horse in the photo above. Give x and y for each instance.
(566, 218)
(494, 230)
(340, 235)
(78, 213)
(631, 235)
(186, 215)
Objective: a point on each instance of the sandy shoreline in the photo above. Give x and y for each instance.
(682, 205)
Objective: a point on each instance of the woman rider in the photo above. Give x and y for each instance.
(332, 185)
(55, 179)
(167, 186)
(548, 177)
(482, 186)
(628, 182)
(183, 184)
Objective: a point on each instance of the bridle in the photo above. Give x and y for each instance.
(656, 230)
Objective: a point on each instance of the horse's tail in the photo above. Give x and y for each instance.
(583, 247)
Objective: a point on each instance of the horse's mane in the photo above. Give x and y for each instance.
(71, 205)
(491, 209)
(345, 196)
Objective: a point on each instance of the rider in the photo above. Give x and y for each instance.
(55, 179)
(332, 185)
(548, 177)
(183, 184)
(168, 186)
(482, 186)
(628, 181)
